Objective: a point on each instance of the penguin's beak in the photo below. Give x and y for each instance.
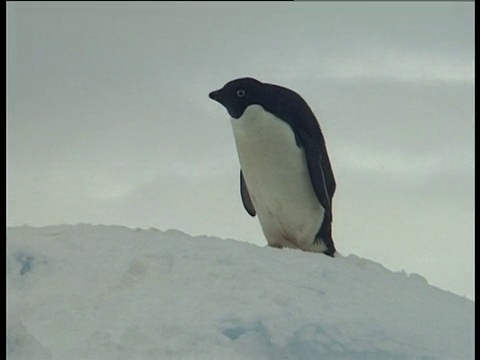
(214, 95)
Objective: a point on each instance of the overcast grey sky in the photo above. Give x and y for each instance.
(109, 120)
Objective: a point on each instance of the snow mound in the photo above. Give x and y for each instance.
(111, 292)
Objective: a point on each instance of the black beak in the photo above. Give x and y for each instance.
(214, 95)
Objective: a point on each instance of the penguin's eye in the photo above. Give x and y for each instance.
(240, 93)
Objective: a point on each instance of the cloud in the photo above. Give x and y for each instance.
(372, 61)
(394, 165)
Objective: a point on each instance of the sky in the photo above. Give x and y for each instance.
(109, 120)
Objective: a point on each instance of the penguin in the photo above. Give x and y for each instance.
(286, 178)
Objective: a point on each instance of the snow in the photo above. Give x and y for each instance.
(111, 292)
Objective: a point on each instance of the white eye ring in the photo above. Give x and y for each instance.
(240, 93)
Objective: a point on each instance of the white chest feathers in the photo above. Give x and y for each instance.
(276, 174)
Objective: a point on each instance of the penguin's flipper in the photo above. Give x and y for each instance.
(247, 201)
(319, 169)
(323, 182)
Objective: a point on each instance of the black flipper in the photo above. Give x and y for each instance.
(319, 169)
(247, 202)
(323, 183)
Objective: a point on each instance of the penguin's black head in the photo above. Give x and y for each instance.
(238, 94)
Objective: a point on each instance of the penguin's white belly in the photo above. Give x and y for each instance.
(276, 174)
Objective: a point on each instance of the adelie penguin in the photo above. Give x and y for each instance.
(285, 177)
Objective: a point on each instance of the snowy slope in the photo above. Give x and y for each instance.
(110, 292)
